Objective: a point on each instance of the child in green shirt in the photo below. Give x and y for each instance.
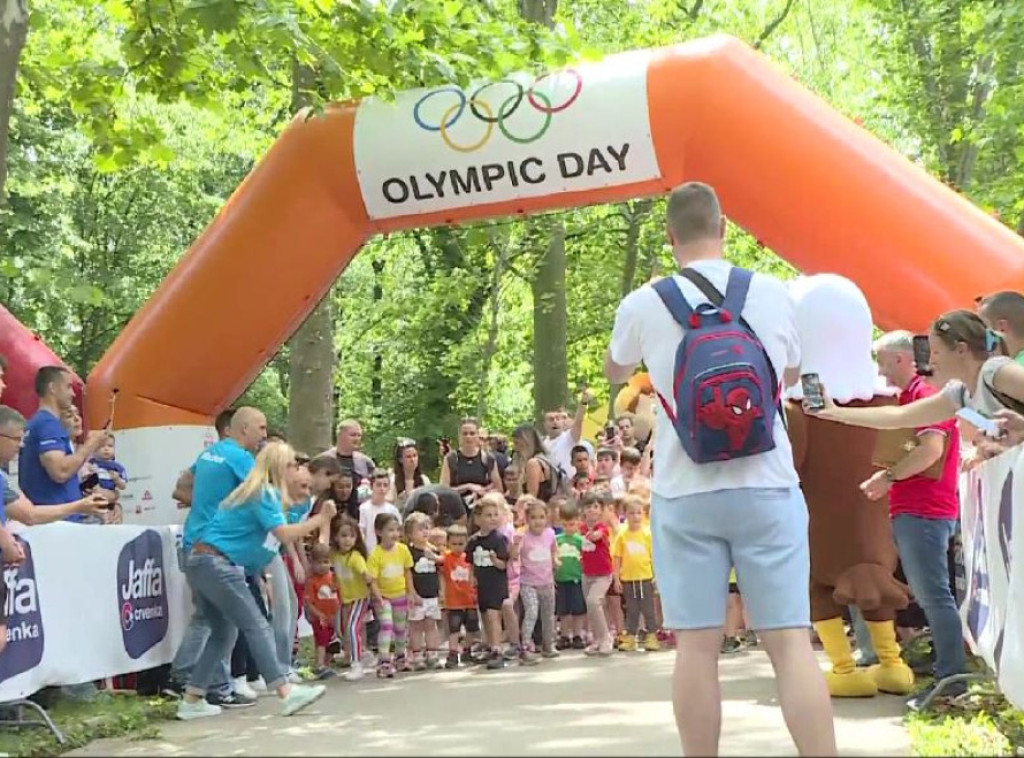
(570, 604)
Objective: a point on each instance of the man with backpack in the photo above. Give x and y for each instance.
(718, 341)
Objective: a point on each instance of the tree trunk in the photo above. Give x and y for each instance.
(550, 364)
(636, 213)
(13, 31)
(501, 248)
(311, 358)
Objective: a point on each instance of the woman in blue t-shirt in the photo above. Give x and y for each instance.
(244, 536)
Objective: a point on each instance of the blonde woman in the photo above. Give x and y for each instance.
(244, 536)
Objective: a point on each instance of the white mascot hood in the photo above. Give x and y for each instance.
(836, 332)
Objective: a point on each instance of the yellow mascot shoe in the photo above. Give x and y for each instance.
(892, 675)
(845, 679)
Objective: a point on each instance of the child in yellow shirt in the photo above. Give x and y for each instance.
(633, 561)
(390, 567)
(349, 561)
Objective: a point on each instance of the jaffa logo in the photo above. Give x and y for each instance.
(22, 607)
(141, 593)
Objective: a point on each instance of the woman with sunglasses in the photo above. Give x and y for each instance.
(405, 472)
(967, 361)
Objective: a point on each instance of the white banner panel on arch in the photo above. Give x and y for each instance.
(582, 128)
(992, 506)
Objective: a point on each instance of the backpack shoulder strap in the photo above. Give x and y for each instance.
(674, 300)
(737, 288)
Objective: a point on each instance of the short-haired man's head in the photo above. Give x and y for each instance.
(47, 376)
(694, 214)
(1004, 312)
(899, 341)
(380, 474)
(223, 422)
(10, 419)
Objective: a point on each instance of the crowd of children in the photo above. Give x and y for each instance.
(515, 580)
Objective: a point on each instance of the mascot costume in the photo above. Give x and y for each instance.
(637, 397)
(853, 555)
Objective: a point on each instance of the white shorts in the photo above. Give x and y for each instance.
(429, 608)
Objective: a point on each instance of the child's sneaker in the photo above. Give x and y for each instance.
(627, 644)
(369, 660)
(731, 645)
(550, 653)
(419, 664)
(385, 670)
(432, 663)
(496, 661)
(564, 643)
(402, 665)
(355, 673)
(622, 639)
(578, 643)
(750, 638)
(651, 644)
(452, 661)
(528, 658)
(323, 673)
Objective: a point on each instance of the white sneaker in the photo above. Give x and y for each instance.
(242, 688)
(300, 696)
(197, 710)
(369, 660)
(294, 678)
(260, 688)
(354, 674)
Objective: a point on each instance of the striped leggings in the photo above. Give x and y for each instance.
(353, 620)
(393, 615)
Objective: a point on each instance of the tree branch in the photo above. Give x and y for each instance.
(769, 30)
(694, 11)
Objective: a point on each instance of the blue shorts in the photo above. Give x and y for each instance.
(697, 539)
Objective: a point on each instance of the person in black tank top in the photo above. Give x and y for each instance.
(533, 461)
(470, 470)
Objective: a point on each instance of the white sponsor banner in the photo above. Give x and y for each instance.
(582, 128)
(992, 504)
(154, 458)
(91, 602)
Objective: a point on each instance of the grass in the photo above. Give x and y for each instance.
(980, 723)
(109, 715)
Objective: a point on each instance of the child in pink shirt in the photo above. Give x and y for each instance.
(538, 558)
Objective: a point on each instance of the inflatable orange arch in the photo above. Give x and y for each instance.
(813, 186)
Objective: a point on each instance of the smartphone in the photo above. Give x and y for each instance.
(986, 425)
(922, 355)
(446, 445)
(610, 431)
(814, 395)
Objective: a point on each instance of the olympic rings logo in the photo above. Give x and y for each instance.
(480, 109)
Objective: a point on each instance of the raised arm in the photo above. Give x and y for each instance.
(924, 412)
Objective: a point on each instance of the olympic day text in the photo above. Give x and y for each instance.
(486, 177)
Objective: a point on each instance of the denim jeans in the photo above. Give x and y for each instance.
(284, 610)
(196, 635)
(228, 605)
(923, 545)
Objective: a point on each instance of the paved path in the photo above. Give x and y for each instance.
(570, 706)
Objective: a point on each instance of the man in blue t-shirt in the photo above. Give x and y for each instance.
(217, 471)
(47, 465)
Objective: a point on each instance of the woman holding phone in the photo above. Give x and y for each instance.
(966, 361)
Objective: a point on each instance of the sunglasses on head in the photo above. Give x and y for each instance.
(404, 442)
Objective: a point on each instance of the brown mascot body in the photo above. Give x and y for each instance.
(853, 555)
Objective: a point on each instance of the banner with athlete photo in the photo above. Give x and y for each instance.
(991, 503)
(582, 128)
(90, 602)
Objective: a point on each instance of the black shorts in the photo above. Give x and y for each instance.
(463, 617)
(569, 599)
(490, 595)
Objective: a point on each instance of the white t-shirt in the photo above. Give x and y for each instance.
(368, 513)
(981, 399)
(560, 448)
(645, 330)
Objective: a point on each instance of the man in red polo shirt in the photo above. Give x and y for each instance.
(924, 511)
